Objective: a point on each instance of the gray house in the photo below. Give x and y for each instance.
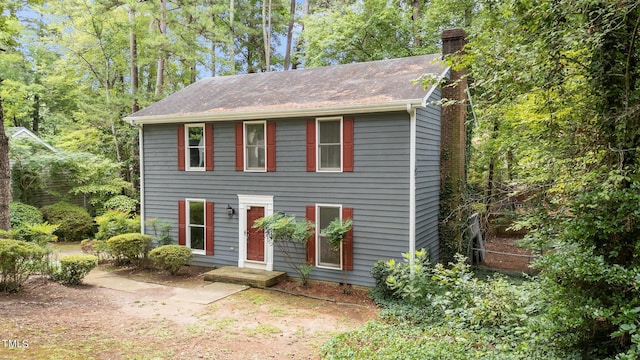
(359, 141)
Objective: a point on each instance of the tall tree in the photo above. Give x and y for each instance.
(8, 29)
(5, 172)
(560, 77)
(287, 54)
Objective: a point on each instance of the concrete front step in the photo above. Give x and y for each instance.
(244, 276)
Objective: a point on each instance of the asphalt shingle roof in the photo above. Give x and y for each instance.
(374, 82)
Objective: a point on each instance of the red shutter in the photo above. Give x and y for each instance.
(271, 146)
(240, 147)
(347, 242)
(208, 146)
(181, 155)
(182, 220)
(311, 242)
(209, 228)
(347, 144)
(311, 145)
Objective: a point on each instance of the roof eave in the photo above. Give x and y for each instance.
(401, 105)
(445, 74)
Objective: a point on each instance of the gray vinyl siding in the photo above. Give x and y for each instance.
(377, 190)
(428, 176)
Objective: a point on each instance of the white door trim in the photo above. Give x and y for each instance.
(245, 202)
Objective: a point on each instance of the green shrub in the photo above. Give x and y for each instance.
(171, 257)
(37, 233)
(114, 222)
(75, 222)
(73, 268)
(132, 247)
(121, 203)
(18, 260)
(22, 214)
(381, 292)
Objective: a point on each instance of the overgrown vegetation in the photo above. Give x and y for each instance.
(436, 311)
(290, 237)
(171, 257)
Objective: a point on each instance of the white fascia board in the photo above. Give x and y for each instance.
(274, 114)
(445, 74)
(142, 189)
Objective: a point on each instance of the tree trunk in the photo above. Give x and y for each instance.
(5, 174)
(161, 59)
(232, 51)
(266, 34)
(492, 163)
(287, 54)
(35, 124)
(133, 49)
(415, 17)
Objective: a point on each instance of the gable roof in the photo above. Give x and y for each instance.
(385, 85)
(20, 132)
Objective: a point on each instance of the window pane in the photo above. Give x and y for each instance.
(329, 156)
(197, 237)
(196, 157)
(196, 134)
(255, 134)
(255, 149)
(196, 213)
(327, 255)
(329, 132)
(255, 157)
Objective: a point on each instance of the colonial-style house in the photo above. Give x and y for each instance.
(360, 141)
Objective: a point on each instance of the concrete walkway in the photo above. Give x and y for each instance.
(201, 295)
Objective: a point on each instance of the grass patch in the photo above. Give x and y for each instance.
(264, 330)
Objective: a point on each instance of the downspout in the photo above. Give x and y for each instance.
(141, 160)
(412, 185)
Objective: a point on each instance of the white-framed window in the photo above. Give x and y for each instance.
(329, 140)
(195, 141)
(196, 215)
(326, 256)
(255, 154)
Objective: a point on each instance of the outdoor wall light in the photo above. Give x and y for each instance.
(230, 210)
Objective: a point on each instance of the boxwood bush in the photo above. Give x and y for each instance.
(171, 257)
(73, 268)
(129, 248)
(23, 214)
(74, 221)
(18, 260)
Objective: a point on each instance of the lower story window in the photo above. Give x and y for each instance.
(195, 225)
(327, 257)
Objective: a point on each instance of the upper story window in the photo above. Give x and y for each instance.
(255, 146)
(329, 132)
(195, 146)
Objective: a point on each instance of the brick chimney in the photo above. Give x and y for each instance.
(453, 150)
(453, 117)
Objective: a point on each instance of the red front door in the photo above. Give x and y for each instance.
(255, 237)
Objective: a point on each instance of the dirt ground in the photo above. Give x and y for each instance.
(50, 321)
(503, 254)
